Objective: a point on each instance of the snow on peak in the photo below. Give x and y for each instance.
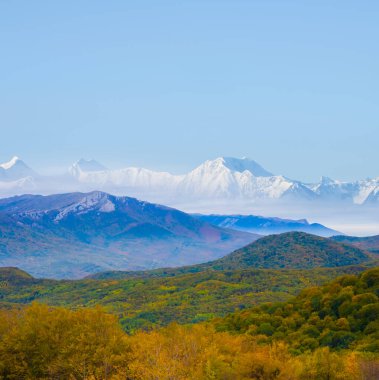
(85, 166)
(232, 164)
(327, 180)
(96, 200)
(15, 169)
(13, 161)
(89, 165)
(223, 178)
(231, 178)
(243, 164)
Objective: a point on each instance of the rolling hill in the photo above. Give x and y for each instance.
(370, 243)
(291, 250)
(296, 250)
(341, 314)
(273, 268)
(199, 292)
(158, 298)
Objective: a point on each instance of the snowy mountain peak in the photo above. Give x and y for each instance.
(15, 169)
(84, 166)
(96, 200)
(12, 162)
(243, 164)
(89, 165)
(224, 180)
(232, 164)
(327, 181)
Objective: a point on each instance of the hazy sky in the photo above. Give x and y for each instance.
(168, 84)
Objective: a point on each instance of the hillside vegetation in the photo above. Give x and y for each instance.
(201, 292)
(342, 314)
(41, 342)
(292, 250)
(15, 276)
(120, 325)
(370, 243)
(186, 298)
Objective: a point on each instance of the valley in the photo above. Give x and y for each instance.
(143, 299)
(314, 297)
(189, 190)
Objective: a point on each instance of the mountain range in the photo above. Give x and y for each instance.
(75, 234)
(143, 299)
(219, 181)
(266, 226)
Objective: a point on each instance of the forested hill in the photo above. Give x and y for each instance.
(148, 302)
(340, 314)
(326, 333)
(197, 293)
(371, 243)
(292, 250)
(15, 277)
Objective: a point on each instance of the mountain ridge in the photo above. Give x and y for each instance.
(224, 178)
(75, 234)
(266, 225)
(15, 169)
(369, 243)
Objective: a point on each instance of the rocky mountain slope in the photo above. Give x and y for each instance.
(75, 234)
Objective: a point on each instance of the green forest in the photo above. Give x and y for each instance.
(160, 297)
(326, 332)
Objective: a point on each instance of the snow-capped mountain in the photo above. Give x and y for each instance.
(358, 192)
(83, 166)
(14, 170)
(231, 178)
(224, 180)
(241, 165)
(131, 180)
(329, 188)
(373, 193)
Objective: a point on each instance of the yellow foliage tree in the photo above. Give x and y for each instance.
(40, 342)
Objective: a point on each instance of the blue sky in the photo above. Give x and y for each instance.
(168, 84)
